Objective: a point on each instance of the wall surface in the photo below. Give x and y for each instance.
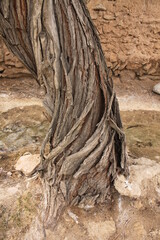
(10, 66)
(130, 36)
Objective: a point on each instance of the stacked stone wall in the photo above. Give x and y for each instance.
(10, 66)
(130, 36)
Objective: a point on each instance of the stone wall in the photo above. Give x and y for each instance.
(130, 36)
(10, 66)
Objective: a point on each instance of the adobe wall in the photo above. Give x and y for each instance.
(130, 36)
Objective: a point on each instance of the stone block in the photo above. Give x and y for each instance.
(27, 164)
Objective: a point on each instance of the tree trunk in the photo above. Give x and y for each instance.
(58, 43)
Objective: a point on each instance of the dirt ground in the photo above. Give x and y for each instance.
(23, 124)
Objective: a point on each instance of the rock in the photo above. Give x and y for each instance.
(101, 230)
(109, 17)
(28, 163)
(9, 59)
(9, 174)
(157, 158)
(27, 153)
(145, 77)
(1, 69)
(94, 15)
(18, 64)
(143, 180)
(156, 88)
(149, 77)
(147, 66)
(73, 216)
(113, 57)
(99, 7)
(127, 75)
(134, 62)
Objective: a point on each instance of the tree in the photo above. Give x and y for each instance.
(58, 43)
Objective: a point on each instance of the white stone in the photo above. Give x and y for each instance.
(28, 163)
(142, 181)
(156, 88)
(73, 216)
(9, 174)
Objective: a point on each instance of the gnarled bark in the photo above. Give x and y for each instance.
(58, 43)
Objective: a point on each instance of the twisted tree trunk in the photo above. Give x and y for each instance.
(58, 43)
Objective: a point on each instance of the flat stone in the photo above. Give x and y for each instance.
(99, 7)
(28, 163)
(156, 88)
(109, 17)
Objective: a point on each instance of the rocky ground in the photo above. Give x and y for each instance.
(133, 213)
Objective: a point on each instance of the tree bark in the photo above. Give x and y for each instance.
(58, 43)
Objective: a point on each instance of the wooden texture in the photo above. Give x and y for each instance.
(58, 43)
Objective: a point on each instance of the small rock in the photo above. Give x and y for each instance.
(137, 204)
(147, 66)
(157, 157)
(156, 88)
(2, 70)
(109, 17)
(99, 7)
(9, 174)
(27, 153)
(19, 175)
(28, 163)
(73, 216)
